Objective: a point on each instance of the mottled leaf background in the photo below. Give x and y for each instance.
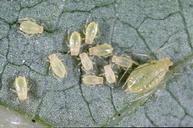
(137, 26)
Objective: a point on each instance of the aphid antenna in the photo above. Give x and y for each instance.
(162, 47)
(67, 38)
(88, 19)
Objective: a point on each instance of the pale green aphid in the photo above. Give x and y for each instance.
(92, 80)
(91, 32)
(109, 74)
(103, 50)
(30, 27)
(21, 87)
(75, 43)
(57, 66)
(148, 76)
(86, 62)
(123, 61)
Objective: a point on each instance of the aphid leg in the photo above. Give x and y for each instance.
(123, 76)
(145, 95)
(24, 34)
(124, 85)
(101, 74)
(13, 90)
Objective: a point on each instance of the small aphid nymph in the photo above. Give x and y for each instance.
(57, 66)
(91, 32)
(21, 88)
(92, 80)
(86, 62)
(103, 50)
(109, 74)
(75, 43)
(30, 27)
(148, 76)
(123, 61)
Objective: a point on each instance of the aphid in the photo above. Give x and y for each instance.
(57, 66)
(109, 74)
(123, 61)
(75, 43)
(91, 32)
(103, 50)
(30, 27)
(92, 80)
(86, 62)
(21, 87)
(148, 76)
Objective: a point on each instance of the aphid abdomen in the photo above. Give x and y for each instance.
(91, 32)
(92, 80)
(109, 74)
(86, 62)
(21, 88)
(75, 43)
(57, 66)
(148, 76)
(31, 27)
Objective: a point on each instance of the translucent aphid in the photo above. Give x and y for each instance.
(148, 76)
(109, 74)
(75, 43)
(92, 80)
(103, 50)
(21, 88)
(91, 32)
(123, 61)
(86, 62)
(57, 66)
(30, 27)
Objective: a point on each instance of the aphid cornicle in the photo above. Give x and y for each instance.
(123, 61)
(148, 76)
(91, 32)
(30, 27)
(21, 87)
(86, 62)
(103, 50)
(92, 80)
(109, 74)
(75, 43)
(57, 66)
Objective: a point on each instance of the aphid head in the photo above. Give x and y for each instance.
(167, 61)
(41, 29)
(93, 26)
(114, 59)
(92, 51)
(52, 56)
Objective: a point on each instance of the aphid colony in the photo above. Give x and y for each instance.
(142, 79)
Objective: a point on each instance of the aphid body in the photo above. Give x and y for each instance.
(29, 26)
(86, 61)
(92, 80)
(75, 43)
(91, 32)
(148, 76)
(123, 61)
(57, 66)
(21, 87)
(103, 50)
(109, 74)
